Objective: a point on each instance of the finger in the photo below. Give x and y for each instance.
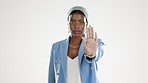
(92, 33)
(96, 36)
(84, 41)
(87, 33)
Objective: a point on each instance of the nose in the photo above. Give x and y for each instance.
(76, 25)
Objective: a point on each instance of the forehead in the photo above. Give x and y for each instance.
(77, 16)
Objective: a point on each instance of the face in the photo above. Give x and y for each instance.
(77, 24)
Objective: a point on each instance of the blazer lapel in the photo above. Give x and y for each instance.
(80, 54)
(63, 54)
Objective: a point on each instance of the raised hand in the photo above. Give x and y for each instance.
(90, 43)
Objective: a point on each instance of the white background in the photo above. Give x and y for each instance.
(28, 28)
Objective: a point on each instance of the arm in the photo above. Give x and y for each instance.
(99, 53)
(93, 47)
(51, 76)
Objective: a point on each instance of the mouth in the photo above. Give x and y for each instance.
(76, 31)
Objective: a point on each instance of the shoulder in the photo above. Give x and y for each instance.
(59, 43)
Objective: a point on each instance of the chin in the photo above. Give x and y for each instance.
(77, 35)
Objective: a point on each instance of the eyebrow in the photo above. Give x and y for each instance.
(79, 19)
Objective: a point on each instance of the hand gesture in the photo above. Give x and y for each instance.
(90, 43)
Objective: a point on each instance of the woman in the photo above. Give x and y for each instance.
(75, 59)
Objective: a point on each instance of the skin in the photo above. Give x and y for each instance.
(77, 24)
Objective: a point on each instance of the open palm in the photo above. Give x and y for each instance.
(90, 43)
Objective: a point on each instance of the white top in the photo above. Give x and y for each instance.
(73, 74)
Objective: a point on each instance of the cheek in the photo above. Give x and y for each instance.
(71, 27)
(82, 27)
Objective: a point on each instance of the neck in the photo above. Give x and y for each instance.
(75, 40)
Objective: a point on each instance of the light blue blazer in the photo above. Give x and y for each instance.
(58, 63)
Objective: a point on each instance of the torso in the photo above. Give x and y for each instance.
(74, 42)
(73, 73)
(73, 52)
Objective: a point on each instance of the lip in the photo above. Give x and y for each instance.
(76, 31)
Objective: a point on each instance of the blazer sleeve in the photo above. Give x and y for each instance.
(99, 52)
(51, 73)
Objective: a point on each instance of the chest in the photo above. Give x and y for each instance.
(73, 52)
(73, 74)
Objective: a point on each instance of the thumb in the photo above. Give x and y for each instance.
(84, 41)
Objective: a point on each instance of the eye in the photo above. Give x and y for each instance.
(81, 22)
(71, 22)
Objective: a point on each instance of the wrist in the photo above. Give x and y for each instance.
(89, 56)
